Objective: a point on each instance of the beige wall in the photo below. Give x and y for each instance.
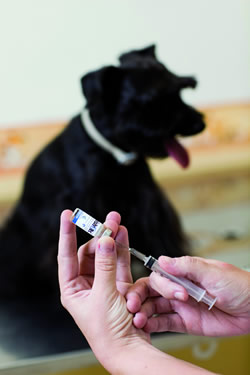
(47, 45)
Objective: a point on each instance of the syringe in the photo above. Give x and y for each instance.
(97, 229)
(193, 290)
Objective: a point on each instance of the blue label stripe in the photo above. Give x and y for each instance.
(77, 216)
(75, 220)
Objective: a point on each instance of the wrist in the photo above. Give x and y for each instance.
(120, 356)
(130, 359)
(139, 357)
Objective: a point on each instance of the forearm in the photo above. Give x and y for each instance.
(144, 359)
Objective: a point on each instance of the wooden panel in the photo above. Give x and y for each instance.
(221, 150)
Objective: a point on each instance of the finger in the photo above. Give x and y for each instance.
(155, 305)
(123, 256)
(112, 222)
(165, 323)
(67, 249)
(115, 216)
(138, 293)
(140, 320)
(167, 288)
(86, 253)
(153, 316)
(193, 268)
(86, 257)
(105, 267)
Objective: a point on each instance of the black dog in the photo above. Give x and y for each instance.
(136, 107)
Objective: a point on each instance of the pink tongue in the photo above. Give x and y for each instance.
(177, 152)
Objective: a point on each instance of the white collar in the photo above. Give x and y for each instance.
(125, 158)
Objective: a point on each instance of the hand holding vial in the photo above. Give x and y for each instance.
(116, 315)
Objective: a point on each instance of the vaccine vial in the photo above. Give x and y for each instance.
(89, 224)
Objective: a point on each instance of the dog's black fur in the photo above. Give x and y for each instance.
(137, 106)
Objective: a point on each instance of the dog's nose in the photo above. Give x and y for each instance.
(194, 126)
(197, 127)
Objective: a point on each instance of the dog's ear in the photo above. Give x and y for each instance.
(185, 82)
(102, 84)
(140, 53)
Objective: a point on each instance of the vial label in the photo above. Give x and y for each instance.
(87, 223)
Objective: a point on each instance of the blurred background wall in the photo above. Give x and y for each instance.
(47, 45)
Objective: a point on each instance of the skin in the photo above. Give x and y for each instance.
(93, 283)
(177, 312)
(82, 289)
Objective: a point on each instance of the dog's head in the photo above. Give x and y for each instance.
(138, 106)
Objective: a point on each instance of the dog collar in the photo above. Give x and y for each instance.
(124, 158)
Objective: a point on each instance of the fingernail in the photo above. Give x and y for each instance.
(106, 245)
(179, 295)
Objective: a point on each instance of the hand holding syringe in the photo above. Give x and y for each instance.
(97, 229)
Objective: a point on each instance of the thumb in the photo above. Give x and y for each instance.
(105, 266)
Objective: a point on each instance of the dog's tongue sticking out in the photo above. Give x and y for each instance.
(177, 152)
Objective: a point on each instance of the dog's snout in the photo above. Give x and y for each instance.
(198, 127)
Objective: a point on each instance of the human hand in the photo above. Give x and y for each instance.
(177, 312)
(93, 282)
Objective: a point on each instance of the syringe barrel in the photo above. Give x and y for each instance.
(193, 290)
